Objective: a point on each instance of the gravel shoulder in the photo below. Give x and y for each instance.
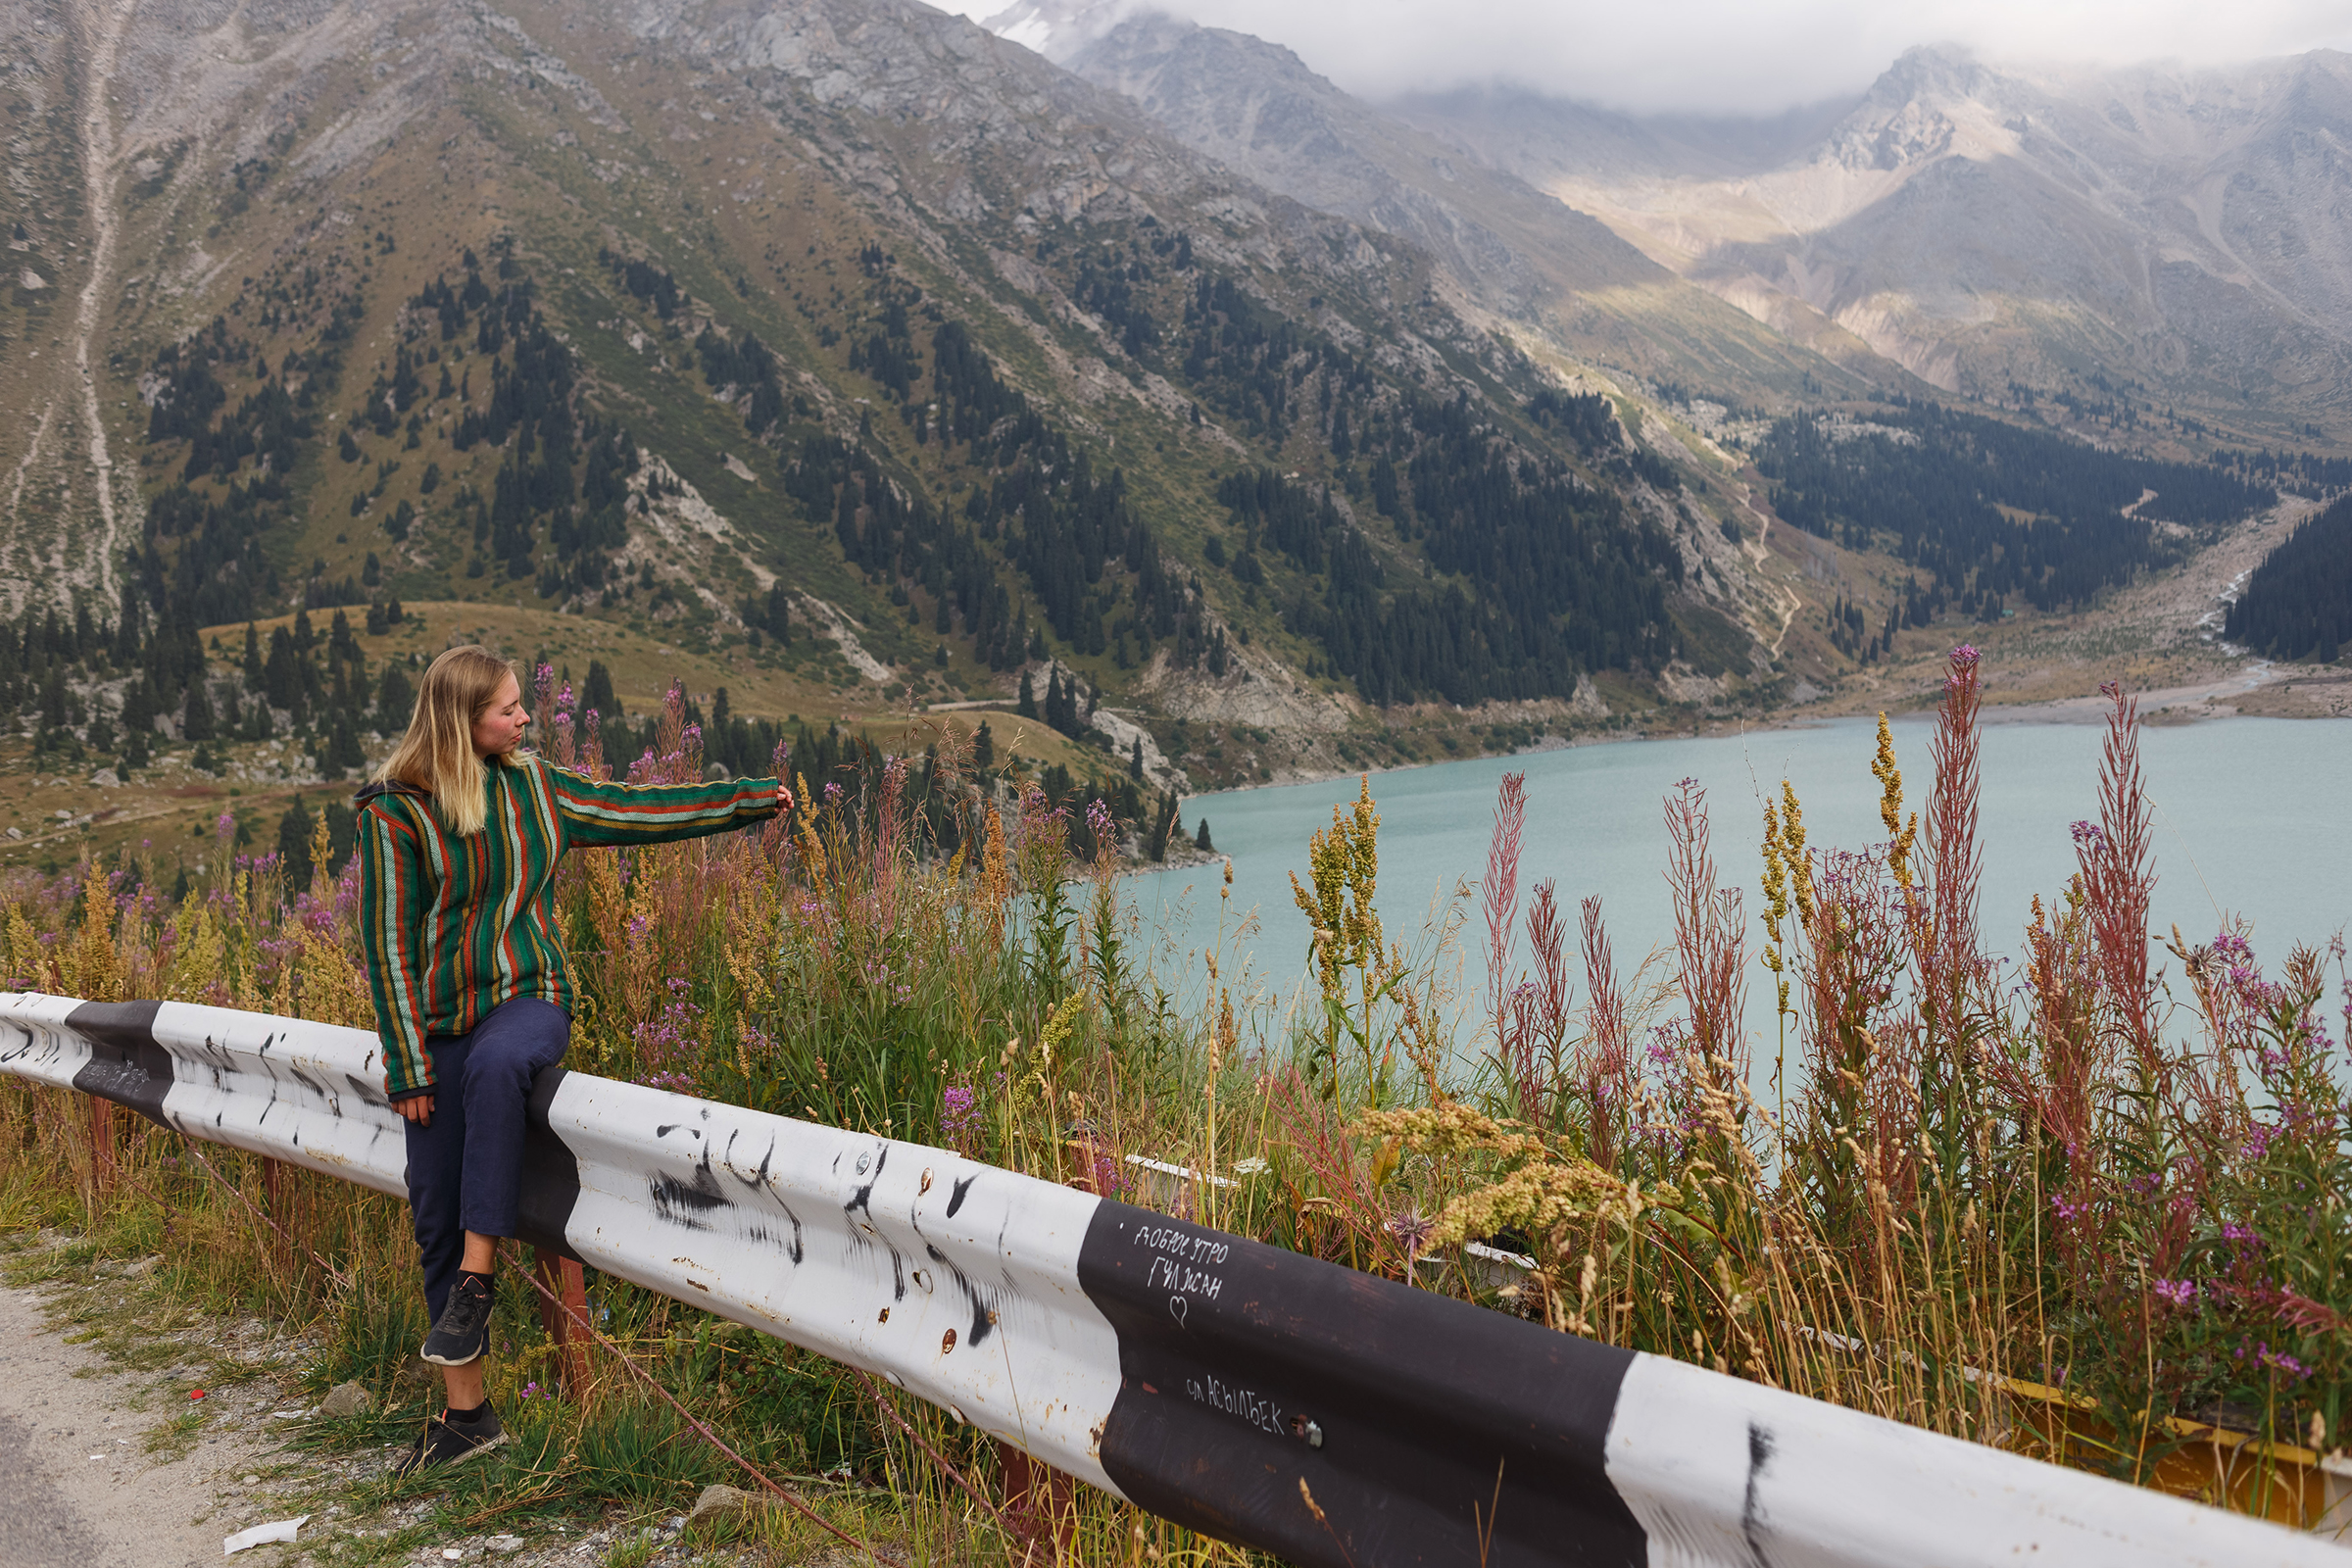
(78, 1482)
(107, 1462)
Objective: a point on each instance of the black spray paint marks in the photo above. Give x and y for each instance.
(126, 1065)
(677, 1204)
(863, 1196)
(1751, 1506)
(1419, 1423)
(984, 1317)
(758, 1182)
(964, 1185)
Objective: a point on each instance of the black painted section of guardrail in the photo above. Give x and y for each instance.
(550, 1173)
(126, 1065)
(1428, 1431)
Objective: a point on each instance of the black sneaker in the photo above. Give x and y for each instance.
(452, 1440)
(463, 1331)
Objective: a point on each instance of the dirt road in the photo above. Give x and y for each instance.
(78, 1488)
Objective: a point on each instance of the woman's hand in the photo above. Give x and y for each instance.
(418, 1108)
(783, 796)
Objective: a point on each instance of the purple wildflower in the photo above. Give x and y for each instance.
(959, 1117)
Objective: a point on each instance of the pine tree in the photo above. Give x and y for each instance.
(1057, 703)
(1200, 839)
(294, 846)
(138, 708)
(1027, 706)
(253, 659)
(596, 692)
(196, 720)
(1166, 823)
(984, 747)
(1135, 759)
(343, 752)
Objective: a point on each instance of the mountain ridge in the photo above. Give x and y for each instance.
(1988, 227)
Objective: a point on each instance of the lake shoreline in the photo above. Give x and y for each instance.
(2170, 706)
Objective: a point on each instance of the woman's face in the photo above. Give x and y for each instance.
(498, 729)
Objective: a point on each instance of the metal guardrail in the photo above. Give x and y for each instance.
(1258, 1396)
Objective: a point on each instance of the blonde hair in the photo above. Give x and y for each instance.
(438, 753)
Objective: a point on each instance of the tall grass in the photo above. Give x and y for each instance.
(2073, 1211)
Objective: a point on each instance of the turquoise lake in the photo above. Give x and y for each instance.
(2253, 817)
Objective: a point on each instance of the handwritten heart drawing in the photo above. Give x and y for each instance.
(1177, 1307)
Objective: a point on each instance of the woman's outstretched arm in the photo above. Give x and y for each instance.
(607, 812)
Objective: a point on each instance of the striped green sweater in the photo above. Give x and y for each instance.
(454, 926)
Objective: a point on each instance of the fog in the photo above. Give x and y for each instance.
(1733, 56)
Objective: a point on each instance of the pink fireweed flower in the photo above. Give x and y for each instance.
(2176, 1293)
(1109, 1181)
(2270, 1360)
(960, 1118)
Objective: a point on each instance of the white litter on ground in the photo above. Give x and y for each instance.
(263, 1535)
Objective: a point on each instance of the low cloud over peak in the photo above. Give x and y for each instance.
(1721, 57)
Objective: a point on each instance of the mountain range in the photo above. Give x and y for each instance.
(871, 355)
(2003, 232)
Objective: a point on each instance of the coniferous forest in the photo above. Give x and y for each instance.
(1994, 511)
(2298, 604)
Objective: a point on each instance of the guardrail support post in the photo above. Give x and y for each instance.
(1039, 1498)
(567, 1283)
(102, 1147)
(275, 1193)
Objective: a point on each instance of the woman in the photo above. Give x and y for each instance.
(458, 839)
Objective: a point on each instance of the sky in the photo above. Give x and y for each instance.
(1738, 56)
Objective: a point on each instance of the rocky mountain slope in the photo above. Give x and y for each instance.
(836, 342)
(2168, 243)
(1552, 275)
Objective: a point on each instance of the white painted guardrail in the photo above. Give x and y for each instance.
(1215, 1381)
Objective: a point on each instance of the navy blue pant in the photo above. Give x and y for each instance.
(466, 1168)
